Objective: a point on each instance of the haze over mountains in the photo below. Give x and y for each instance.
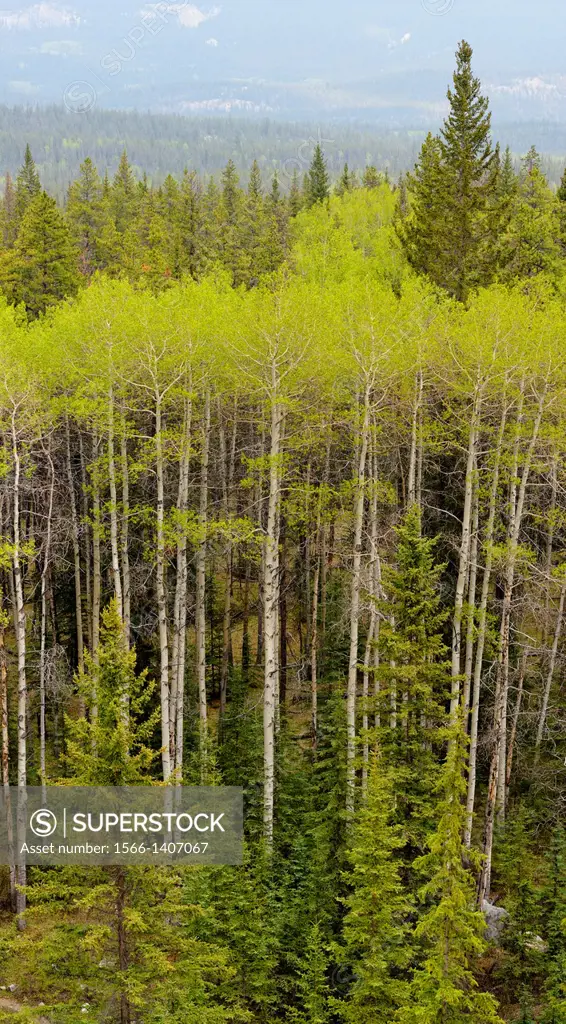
(387, 63)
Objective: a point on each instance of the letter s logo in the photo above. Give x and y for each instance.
(43, 823)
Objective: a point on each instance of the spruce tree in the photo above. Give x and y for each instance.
(554, 903)
(136, 963)
(124, 195)
(88, 217)
(42, 268)
(415, 676)
(295, 196)
(346, 182)
(28, 185)
(450, 237)
(318, 181)
(371, 177)
(375, 926)
(531, 242)
(9, 222)
(444, 990)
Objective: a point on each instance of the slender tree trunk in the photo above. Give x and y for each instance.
(162, 594)
(371, 636)
(43, 640)
(415, 431)
(20, 628)
(114, 544)
(496, 794)
(76, 554)
(469, 660)
(516, 715)
(87, 540)
(200, 610)
(271, 612)
(550, 673)
(177, 712)
(228, 469)
(463, 569)
(124, 538)
(355, 607)
(5, 758)
(314, 632)
(482, 630)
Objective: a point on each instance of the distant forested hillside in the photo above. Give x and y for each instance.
(159, 145)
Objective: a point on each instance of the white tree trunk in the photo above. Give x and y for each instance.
(355, 606)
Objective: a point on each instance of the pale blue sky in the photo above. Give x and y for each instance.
(361, 51)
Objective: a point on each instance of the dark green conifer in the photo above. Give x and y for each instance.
(318, 181)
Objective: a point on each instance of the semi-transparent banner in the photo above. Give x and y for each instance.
(59, 825)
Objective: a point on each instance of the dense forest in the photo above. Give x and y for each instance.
(284, 471)
(159, 144)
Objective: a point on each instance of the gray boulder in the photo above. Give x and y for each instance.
(496, 919)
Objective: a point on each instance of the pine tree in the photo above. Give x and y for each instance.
(318, 182)
(42, 268)
(28, 185)
(449, 236)
(375, 927)
(444, 990)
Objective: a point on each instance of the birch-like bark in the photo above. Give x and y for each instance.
(20, 629)
(228, 469)
(271, 612)
(355, 606)
(516, 714)
(161, 592)
(371, 635)
(412, 484)
(76, 553)
(482, 630)
(125, 529)
(200, 608)
(87, 540)
(43, 627)
(6, 757)
(515, 524)
(96, 554)
(463, 568)
(469, 659)
(114, 543)
(550, 673)
(496, 794)
(177, 711)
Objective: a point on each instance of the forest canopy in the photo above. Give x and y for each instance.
(282, 472)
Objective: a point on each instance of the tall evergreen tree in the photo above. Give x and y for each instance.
(451, 237)
(28, 185)
(444, 990)
(88, 216)
(318, 181)
(375, 927)
(42, 268)
(415, 678)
